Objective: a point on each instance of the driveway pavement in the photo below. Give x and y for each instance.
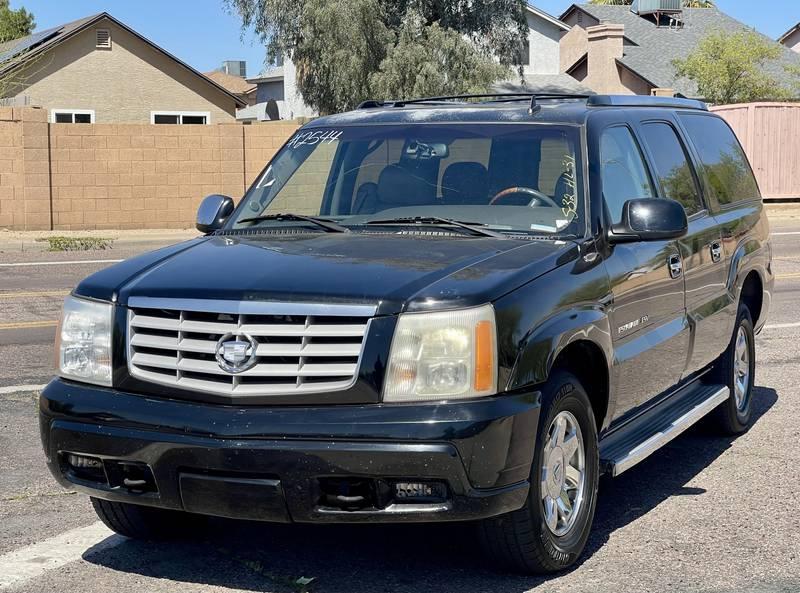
(704, 514)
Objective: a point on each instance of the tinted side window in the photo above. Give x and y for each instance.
(672, 166)
(622, 170)
(724, 162)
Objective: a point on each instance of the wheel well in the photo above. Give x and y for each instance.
(753, 295)
(586, 361)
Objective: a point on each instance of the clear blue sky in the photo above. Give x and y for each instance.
(203, 33)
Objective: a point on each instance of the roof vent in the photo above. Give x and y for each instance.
(103, 39)
(664, 12)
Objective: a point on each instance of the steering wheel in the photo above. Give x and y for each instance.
(537, 196)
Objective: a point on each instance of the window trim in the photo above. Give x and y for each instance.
(181, 115)
(698, 184)
(717, 205)
(642, 154)
(72, 112)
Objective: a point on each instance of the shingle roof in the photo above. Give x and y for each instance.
(650, 50)
(546, 16)
(783, 37)
(41, 41)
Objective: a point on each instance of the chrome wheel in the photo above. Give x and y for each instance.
(563, 473)
(741, 369)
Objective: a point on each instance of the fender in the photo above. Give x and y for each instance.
(541, 347)
(743, 261)
(750, 255)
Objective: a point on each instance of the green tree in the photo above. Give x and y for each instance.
(729, 68)
(686, 3)
(343, 44)
(347, 51)
(429, 60)
(14, 23)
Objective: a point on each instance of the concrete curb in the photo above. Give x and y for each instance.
(30, 241)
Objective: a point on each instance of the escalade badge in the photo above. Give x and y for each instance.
(236, 353)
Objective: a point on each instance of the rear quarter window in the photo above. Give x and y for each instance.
(729, 178)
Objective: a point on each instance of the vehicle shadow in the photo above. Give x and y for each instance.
(402, 558)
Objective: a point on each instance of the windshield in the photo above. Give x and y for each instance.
(509, 178)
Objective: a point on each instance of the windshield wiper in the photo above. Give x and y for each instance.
(475, 227)
(328, 225)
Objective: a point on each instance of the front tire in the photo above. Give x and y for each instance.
(145, 523)
(736, 368)
(549, 533)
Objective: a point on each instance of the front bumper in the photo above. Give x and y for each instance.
(278, 464)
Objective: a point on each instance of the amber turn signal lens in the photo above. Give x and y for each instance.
(484, 356)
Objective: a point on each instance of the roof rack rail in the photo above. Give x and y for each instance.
(491, 98)
(644, 101)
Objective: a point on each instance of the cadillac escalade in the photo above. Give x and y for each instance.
(449, 309)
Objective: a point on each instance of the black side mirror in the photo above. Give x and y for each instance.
(650, 219)
(213, 212)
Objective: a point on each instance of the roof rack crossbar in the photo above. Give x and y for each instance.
(644, 101)
(491, 98)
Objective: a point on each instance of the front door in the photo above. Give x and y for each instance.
(648, 313)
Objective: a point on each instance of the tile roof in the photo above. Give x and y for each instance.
(650, 50)
(234, 84)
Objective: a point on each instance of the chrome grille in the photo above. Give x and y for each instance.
(300, 348)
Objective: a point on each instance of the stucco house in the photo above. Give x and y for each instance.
(631, 49)
(539, 61)
(791, 38)
(99, 70)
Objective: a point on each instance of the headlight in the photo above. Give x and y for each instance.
(83, 341)
(443, 355)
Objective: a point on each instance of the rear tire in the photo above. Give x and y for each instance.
(146, 523)
(528, 540)
(736, 368)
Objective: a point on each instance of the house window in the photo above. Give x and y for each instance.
(523, 57)
(103, 39)
(72, 116)
(200, 118)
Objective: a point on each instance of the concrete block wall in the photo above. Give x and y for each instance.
(12, 198)
(122, 176)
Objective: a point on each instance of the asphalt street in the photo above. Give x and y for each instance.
(705, 513)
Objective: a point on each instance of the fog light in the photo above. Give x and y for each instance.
(83, 461)
(420, 491)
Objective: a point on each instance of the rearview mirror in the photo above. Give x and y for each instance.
(650, 219)
(213, 212)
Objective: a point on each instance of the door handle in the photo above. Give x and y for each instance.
(716, 251)
(675, 266)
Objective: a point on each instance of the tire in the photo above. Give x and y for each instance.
(522, 541)
(734, 416)
(146, 523)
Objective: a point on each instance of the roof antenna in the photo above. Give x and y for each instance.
(535, 107)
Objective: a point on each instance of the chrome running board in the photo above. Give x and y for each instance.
(626, 450)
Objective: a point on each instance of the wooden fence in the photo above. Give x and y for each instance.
(770, 134)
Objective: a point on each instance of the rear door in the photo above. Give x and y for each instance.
(701, 248)
(733, 196)
(648, 317)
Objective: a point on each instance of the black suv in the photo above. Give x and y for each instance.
(432, 310)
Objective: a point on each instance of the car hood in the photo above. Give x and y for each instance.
(394, 271)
